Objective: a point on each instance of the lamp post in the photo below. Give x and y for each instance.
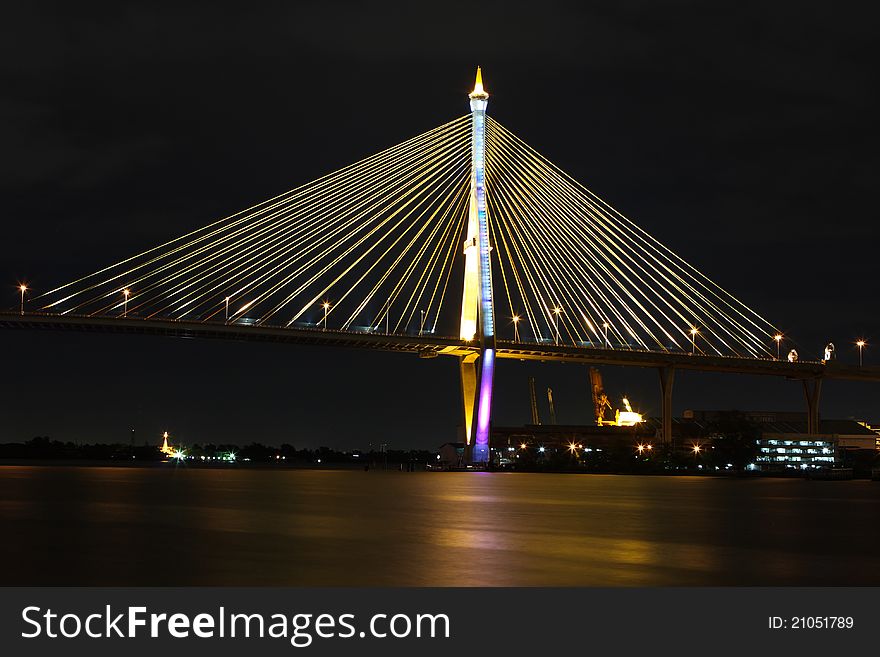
(605, 326)
(516, 319)
(778, 338)
(694, 332)
(326, 307)
(22, 288)
(861, 345)
(227, 309)
(422, 322)
(556, 312)
(125, 293)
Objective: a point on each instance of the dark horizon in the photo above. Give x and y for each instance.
(740, 138)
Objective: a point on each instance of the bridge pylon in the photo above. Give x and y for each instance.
(477, 309)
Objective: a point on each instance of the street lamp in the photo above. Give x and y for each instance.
(126, 293)
(22, 288)
(694, 332)
(422, 323)
(605, 326)
(861, 345)
(778, 338)
(227, 309)
(516, 319)
(556, 312)
(326, 307)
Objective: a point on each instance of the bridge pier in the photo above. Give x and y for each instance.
(667, 377)
(812, 389)
(468, 368)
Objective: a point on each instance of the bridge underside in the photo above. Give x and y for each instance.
(430, 346)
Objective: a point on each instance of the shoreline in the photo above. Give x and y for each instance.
(354, 467)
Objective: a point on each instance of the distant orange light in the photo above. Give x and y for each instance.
(777, 337)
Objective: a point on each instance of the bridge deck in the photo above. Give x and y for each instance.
(431, 345)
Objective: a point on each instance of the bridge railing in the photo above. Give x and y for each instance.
(545, 344)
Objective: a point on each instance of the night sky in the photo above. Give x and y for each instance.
(742, 136)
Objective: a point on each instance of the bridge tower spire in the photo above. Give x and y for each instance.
(477, 309)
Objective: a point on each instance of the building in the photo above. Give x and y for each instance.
(784, 443)
(873, 426)
(451, 455)
(778, 451)
(563, 435)
(838, 443)
(538, 444)
(780, 438)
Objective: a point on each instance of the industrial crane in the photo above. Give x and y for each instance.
(536, 419)
(624, 418)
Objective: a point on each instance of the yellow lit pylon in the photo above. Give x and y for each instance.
(478, 91)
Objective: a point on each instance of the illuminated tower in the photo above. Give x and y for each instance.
(477, 313)
(166, 448)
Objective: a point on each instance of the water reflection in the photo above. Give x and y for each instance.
(124, 526)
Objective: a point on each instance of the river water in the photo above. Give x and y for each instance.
(167, 526)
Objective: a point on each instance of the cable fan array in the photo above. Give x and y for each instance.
(369, 247)
(377, 245)
(576, 271)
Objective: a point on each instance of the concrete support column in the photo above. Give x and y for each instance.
(667, 377)
(468, 370)
(812, 390)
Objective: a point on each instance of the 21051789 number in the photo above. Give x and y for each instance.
(811, 623)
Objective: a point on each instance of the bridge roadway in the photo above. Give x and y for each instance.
(810, 373)
(428, 346)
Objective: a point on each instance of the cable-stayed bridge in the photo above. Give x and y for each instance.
(462, 241)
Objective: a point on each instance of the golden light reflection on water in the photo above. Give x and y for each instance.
(287, 527)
